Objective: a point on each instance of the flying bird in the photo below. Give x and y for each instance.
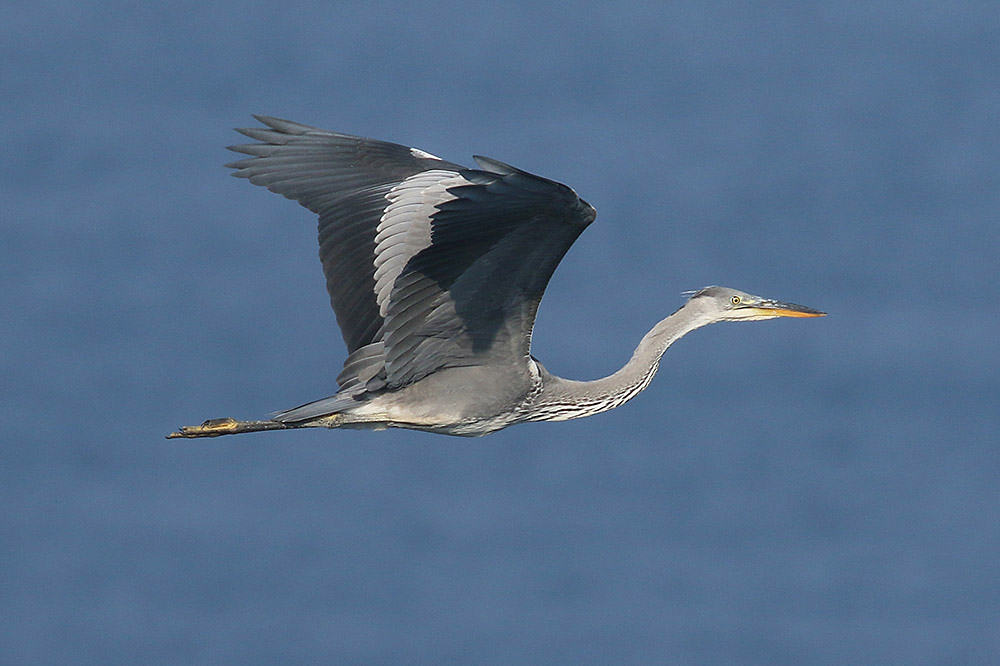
(435, 272)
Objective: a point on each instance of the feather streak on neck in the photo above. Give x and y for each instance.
(563, 399)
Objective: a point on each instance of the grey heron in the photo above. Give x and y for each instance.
(435, 272)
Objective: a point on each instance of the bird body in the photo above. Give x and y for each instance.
(435, 272)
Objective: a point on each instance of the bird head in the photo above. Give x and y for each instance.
(726, 304)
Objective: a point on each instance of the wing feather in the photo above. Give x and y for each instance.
(428, 264)
(344, 179)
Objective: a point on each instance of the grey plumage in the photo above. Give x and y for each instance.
(435, 272)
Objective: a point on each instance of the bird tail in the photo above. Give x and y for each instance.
(313, 410)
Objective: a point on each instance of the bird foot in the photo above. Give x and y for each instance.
(225, 426)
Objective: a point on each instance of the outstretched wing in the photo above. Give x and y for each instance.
(345, 180)
(428, 264)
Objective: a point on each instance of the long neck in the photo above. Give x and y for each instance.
(563, 399)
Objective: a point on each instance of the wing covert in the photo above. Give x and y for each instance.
(470, 297)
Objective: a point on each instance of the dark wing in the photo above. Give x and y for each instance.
(345, 180)
(428, 264)
(470, 296)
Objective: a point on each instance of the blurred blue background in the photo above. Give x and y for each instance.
(792, 492)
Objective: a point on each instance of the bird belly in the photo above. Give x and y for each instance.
(455, 401)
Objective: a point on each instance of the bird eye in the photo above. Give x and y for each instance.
(736, 300)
